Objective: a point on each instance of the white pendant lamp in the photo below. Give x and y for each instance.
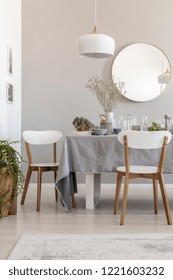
(96, 45)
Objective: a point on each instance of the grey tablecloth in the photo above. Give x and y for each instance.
(97, 154)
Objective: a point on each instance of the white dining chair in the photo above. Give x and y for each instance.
(143, 140)
(48, 137)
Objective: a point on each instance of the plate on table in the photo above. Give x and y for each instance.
(99, 131)
(81, 133)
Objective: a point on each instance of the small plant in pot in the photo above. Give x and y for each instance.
(11, 177)
(155, 126)
(82, 124)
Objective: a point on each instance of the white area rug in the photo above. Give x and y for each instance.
(93, 246)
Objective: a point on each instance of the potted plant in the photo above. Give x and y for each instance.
(82, 124)
(11, 178)
(155, 126)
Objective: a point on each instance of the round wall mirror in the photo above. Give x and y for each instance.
(144, 69)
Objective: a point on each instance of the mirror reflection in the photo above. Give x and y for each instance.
(144, 68)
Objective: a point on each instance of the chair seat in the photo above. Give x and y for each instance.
(139, 169)
(45, 164)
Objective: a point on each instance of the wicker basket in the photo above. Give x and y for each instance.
(6, 191)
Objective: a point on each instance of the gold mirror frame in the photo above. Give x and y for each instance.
(144, 69)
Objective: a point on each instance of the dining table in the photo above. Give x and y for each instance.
(93, 155)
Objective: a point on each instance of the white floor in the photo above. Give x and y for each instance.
(53, 218)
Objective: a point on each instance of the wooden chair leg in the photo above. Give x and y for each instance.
(73, 201)
(28, 176)
(123, 211)
(39, 188)
(155, 194)
(117, 193)
(56, 192)
(165, 199)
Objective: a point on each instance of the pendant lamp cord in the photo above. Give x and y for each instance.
(95, 18)
(95, 13)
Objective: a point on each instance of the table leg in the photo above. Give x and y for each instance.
(92, 185)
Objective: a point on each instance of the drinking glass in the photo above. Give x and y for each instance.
(145, 122)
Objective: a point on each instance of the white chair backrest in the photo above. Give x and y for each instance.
(144, 139)
(41, 137)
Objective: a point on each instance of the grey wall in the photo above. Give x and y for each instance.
(54, 76)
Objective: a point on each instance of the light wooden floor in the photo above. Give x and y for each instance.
(54, 219)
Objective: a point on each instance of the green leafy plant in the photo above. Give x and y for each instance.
(10, 169)
(82, 124)
(108, 92)
(155, 127)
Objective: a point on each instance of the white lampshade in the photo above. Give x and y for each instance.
(164, 77)
(96, 45)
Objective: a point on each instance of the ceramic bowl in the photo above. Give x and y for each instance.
(81, 133)
(99, 131)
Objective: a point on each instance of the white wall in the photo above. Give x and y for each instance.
(54, 76)
(10, 35)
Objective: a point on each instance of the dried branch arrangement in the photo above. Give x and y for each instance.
(108, 92)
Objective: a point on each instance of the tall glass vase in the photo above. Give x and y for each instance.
(107, 122)
(109, 115)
